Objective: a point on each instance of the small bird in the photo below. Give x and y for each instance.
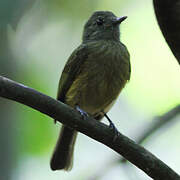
(92, 79)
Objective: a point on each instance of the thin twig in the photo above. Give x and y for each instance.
(159, 122)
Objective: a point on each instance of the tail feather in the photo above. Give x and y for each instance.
(62, 157)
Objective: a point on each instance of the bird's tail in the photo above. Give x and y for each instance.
(62, 157)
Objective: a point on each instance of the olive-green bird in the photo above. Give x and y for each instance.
(92, 78)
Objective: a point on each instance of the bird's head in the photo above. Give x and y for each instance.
(102, 25)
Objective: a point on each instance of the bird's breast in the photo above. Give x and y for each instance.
(100, 81)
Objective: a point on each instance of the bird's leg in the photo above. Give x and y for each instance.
(82, 112)
(112, 126)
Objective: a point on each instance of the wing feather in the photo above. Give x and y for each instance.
(71, 70)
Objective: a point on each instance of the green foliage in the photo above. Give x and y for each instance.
(70, 9)
(35, 130)
(12, 11)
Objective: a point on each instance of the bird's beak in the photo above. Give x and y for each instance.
(118, 20)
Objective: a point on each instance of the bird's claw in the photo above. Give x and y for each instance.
(113, 127)
(83, 113)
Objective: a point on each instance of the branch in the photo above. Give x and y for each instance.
(134, 153)
(168, 17)
(159, 122)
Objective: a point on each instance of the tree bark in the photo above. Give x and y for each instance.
(121, 144)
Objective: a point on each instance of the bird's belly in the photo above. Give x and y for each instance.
(94, 94)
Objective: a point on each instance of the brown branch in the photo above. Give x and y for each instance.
(134, 153)
(157, 124)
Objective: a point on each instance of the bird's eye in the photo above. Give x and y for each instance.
(100, 21)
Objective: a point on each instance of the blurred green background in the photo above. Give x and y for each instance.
(40, 37)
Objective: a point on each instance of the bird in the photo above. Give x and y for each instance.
(92, 78)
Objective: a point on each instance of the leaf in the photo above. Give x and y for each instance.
(168, 16)
(12, 11)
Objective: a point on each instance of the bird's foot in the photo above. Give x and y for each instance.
(113, 127)
(83, 113)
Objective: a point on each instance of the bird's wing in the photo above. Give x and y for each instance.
(71, 70)
(129, 75)
(126, 59)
